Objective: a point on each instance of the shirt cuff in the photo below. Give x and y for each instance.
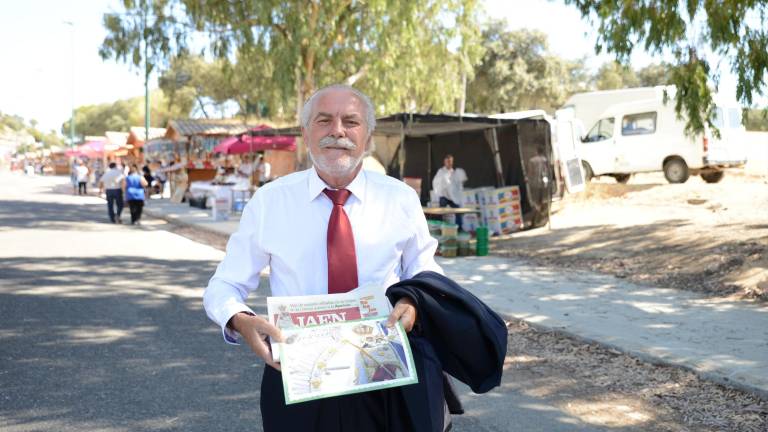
(231, 336)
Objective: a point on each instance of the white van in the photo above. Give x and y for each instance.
(646, 135)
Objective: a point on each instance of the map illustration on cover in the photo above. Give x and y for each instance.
(344, 357)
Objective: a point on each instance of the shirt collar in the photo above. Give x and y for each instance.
(317, 185)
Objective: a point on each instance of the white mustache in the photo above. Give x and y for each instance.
(330, 141)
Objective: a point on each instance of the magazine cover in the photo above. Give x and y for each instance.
(343, 358)
(286, 313)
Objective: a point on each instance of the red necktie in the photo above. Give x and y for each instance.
(342, 261)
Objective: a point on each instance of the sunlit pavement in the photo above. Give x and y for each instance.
(102, 329)
(101, 325)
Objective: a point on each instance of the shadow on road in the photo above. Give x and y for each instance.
(118, 343)
(29, 215)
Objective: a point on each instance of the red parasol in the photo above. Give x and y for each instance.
(89, 149)
(248, 144)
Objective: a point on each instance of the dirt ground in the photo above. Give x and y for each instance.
(609, 389)
(710, 238)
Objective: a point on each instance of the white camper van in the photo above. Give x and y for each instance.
(635, 131)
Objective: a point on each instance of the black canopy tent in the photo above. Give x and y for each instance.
(493, 152)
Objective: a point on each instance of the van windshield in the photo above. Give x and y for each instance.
(717, 120)
(602, 130)
(734, 118)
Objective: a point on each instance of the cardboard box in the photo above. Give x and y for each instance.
(470, 222)
(502, 211)
(499, 226)
(502, 195)
(469, 198)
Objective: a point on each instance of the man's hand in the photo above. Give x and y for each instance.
(405, 312)
(254, 330)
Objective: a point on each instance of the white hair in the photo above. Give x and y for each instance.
(370, 112)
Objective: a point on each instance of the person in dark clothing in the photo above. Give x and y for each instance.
(134, 193)
(112, 181)
(147, 174)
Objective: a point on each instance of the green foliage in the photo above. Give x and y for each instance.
(756, 119)
(191, 82)
(146, 31)
(613, 75)
(19, 126)
(406, 55)
(51, 139)
(734, 29)
(12, 122)
(654, 75)
(120, 115)
(518, 73)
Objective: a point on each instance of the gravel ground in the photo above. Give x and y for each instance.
(606, 388)
(710, 238)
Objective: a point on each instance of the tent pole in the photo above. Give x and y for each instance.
(493, 142)
(401, 152)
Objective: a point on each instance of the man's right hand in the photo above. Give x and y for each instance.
(255, 330)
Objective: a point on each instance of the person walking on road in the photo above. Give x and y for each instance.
(73, 174)
(134, 186)
(81, 173)
(112, 181)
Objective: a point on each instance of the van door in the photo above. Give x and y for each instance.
(728, 148)
(598, 147)
(637, 144)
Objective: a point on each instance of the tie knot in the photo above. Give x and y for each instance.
(339, 196)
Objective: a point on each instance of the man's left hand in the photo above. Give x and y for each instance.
(405, 312)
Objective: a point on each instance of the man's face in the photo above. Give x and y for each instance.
(337, 136)
(448, 162)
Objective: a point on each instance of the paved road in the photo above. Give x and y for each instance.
(102, 329)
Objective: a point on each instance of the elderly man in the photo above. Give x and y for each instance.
(324, 230)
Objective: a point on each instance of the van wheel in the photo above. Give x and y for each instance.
(588, 173)
(622, 178)
(712, 176)
(676, 171)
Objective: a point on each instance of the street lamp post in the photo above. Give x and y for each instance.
(72, 101)
(146, 75)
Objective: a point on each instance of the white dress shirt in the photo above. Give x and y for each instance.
(112, 179)
(82, 173)
(284, 226)
(449, 183)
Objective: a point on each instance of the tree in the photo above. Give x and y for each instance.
(192, 83)
(21, 127)
(613, 75)
(518, 72)
(122, 114)
(756, 119)
(52, 139)
(404, 54)
(654, 75)
(733, 29)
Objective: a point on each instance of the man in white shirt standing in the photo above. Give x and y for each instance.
(449, 185)
(264, 169)
(327, 229)
(112, 182)
(82, 178)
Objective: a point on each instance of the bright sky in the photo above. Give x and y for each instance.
(36, 77)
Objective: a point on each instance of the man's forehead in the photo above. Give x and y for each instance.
(338, 102)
